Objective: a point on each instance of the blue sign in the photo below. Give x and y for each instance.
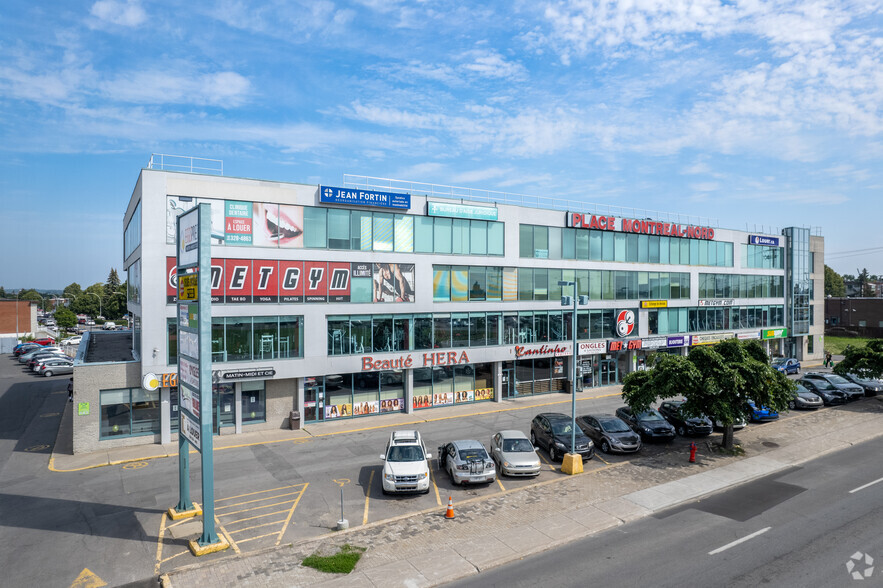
(683, 341)
(761, 240)
(461, 211)
(364, 197)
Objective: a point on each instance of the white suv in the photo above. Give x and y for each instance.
(405, 463)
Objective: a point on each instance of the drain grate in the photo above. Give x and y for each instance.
(770, 444)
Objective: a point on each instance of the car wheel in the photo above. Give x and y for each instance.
(48, 373)
(792, 405)
(552, 455)
(605, 446)
(682, 431)
(426, 491)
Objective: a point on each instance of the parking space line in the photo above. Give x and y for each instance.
(227, 535)
(255, 527)
(602, 459)
(854, 490)
(162, 532)
(257, 516)
(434, 485)
(367, 497)
(253, 501)
(545, 461)
(258, 537)
(501, 484)
(291, 513)
(258, 492)
(738, 541)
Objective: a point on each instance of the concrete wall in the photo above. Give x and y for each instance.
(89, 380)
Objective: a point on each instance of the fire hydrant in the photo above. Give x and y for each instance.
(692, 452)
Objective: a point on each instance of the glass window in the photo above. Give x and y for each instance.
(608, 285)
(381, 333)
(494, 278)
(595, 245)
(541, 326)
(619, 240)
(525, 283)
(338, 228)
(643, 248)
(568, 241)
(315, 227)
(478, 237)
(478, 283)
(664, 249)
(554, 243)
(510, 328)
(115, 413)
(674, 253)
(495, 239)
(239, 338)
(360, 231)
(360, 334)
(525, 241)
(541, 284)
(422, 387)
(526, 333)
(477, 330)
(392, 391)
(607, 249)
(338, 335)
(643, 286)
(554, 289)
(423, 232)
(459, 283)
(383, 232)
(654, 249)
(423, 332)
(404, 236)
(442, 233)
(441, 283)
(582, 244)
(631, 248)
(266, 337)
(172, 336)
(595, 284)
(460, 237)
(541, 242)
(401, 333)
(459, 330)
(441, 331)
(493, 328)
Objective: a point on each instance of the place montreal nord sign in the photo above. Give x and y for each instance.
(579, 220)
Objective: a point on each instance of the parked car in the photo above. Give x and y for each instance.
(405, 463)
(44, 341)
(649, 424)
(852, 391)
(553, 432)
(515, 454)
(56, 367)
(75, 340)
(44, 356)
(610, 433)
(871, 386)
(23, 348)
(789, 365)
(25, 357)
(803, 398)
(671, 410)
(829, 393)
(467, 462)
(760, 414)
(739, 424)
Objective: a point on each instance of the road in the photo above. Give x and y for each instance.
(111, 520)
(795, 528)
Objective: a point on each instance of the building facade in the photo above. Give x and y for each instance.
(349, 303)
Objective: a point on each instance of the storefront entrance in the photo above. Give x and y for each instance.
(314, 399)
(608, 372)
(508, 381)
(224, 403)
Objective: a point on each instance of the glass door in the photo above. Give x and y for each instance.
(607, 372)
(314, 399)
(508, 381)
(224, 405)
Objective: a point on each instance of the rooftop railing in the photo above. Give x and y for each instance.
(185, 163)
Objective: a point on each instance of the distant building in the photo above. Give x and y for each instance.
(861, 317)
(17, 318)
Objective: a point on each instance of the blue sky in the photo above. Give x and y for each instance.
(751, 113)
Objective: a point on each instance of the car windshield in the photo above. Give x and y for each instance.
(561, 428)
(802, 390)
(838, 380)
(474, 453)
(517, 445)
(614, 426)
(405, 453)
(779, 361)
(648, 415)
(824, 385)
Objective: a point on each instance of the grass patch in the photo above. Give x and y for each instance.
(341, 562)
(836, 345)
(736, 451)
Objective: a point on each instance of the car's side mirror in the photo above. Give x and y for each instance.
(382, 458)
(428, 456)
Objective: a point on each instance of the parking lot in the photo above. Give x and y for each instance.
(266, 493)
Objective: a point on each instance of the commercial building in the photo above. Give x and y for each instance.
(854, 317)
(17, 318)
(348, 302)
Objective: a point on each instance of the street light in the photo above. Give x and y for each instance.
(99, 302)
(572, 463)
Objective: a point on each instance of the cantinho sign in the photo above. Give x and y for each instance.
(579, 220)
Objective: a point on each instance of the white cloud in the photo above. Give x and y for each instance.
(126, 14)
(225, 89)
(704, 186)
(488, 63)
(480, 175)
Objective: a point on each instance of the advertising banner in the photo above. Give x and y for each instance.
(334, 411)
(190, 430)
(316, 281)
(365, 408)
(217, 281)
(654, 343)
(393, 282)
(762, 240)
(774, 333)
(291, 284)
(717, 302)
(237, 223)
(392, 405)
(265, 281)
(442, 398)
(464, 396)
(339, 282)
(593, 347)
(654, 304)
(238, 281)
(484, 394)
(748, 336)
(188, 372)
(680, 341)
(171, 280)
(461, 211)
(711, 339)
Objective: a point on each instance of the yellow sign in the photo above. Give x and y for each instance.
(654, 304)
(188, 287)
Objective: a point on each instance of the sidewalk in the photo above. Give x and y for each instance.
(425, 549)
(63, 460)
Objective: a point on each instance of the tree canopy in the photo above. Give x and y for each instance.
(715, 381)
(865, 362)
(834, 284)
(64, 318)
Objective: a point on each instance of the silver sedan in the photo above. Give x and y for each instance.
(515, 454)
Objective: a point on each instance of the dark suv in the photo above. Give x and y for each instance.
(852, 391)
(552, 432)
(671, 410)
(648, 424)
(871, 386)
(829, 394)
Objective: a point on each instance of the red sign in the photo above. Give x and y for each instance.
(171, 280)
(265, 281)
(522, 351)
(291, 281)
(623, 345)
(217, 280)
(237, 287)
(642, 227)
(406, 361)
(338, 282)
(316, 281)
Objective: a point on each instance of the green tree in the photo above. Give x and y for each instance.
(72, 291)
(64, 318)
(715, 381)
(834, 285)
(866, 362)
(113, 282)
(31, 294)
(2, 292)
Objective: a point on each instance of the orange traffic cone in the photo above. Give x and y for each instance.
(450, 513)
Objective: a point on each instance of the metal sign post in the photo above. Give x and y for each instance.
(194, 371)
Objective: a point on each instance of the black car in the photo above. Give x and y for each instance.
(609, 433)
(552, 432)
(829, 394)
(648, 424)
(852, 391)
(870, 385)
(698, 426)
(803, 398)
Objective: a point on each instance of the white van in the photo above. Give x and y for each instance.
(109, 326)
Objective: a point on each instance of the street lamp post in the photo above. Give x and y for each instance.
(99, 302)
(572, 463)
